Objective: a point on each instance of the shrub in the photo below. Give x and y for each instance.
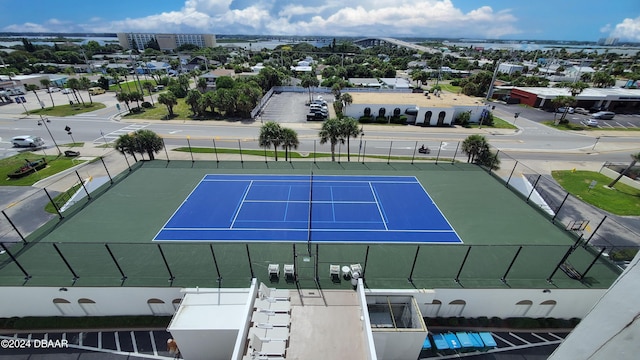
(381, 120)
(365, 120)
(146, 105)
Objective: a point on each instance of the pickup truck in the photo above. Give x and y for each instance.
(317, 116)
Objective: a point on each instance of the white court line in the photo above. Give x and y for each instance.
(246, 192)
(378, 205)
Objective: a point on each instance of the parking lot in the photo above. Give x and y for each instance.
(292, 107)
(620, 121)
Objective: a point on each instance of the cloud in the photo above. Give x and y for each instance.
(423, 18)
(628, 29)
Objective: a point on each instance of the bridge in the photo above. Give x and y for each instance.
(382, 41)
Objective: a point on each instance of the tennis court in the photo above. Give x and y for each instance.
(301, 208)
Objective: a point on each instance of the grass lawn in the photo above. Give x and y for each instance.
(450, 88)
(130, 86)
(497, 124)
(620, 200)
(55, 165)
(68, 110)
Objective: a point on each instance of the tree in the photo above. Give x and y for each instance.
(31, 87)
(289, 141)
(148, 85)
(309, 82)
(634, 158)
(201, 84)
(169, 100)
(331, 132)
(149, 142)
(473, 145)
(577, 87)
(350, 129)
(270, 135)
(563, 101)
(601, 79)
(125, 144)
(125, 98)
(193, 100)
(85, 84)
(346, 99)
(74, 85)
(46, 83)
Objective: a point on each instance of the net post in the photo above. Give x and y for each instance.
(26, 274)
(166, 264)
(75, 276)
(15, 228)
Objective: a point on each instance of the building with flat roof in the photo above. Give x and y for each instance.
(165, 41)
(423, 108)
(618, 100)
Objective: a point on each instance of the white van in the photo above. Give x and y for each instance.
(27, 141)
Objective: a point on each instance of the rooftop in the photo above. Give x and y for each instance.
(415, 99)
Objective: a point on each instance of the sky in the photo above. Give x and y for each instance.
(580, 20)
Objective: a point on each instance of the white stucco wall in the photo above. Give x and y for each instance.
(501, 303)
(38, 301)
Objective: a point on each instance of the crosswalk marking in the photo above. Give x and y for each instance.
(109, 137)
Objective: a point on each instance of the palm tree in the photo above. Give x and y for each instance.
(270, 134)
(350, 129)
(473, 146)
(32, 87)
(202, 84)
(46, 83)
(149, 142)
(634, 158)
(331, 132)
(346, 99)
(74, 85)
(309, 81)
(563, 101)
(289, 141)
(193, 99)
(148, 85)
(124, 97)
(85, 84)
(126, 144)
(196, 73)
(169, 100)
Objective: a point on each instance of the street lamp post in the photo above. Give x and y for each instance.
(596, 143)
(44, 121)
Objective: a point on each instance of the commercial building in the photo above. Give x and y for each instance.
(167, 42)
(618, 100)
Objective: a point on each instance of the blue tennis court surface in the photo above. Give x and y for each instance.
(296, 208)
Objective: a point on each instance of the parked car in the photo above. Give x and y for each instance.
(66, 91)
(318, 116)
(590, 122)
(562, 110)
(96, 90)
(53, 89)
(27, 141)
(603, 115)
(580, 110)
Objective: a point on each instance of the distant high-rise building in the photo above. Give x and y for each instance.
(610, 41)
(165, 41)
